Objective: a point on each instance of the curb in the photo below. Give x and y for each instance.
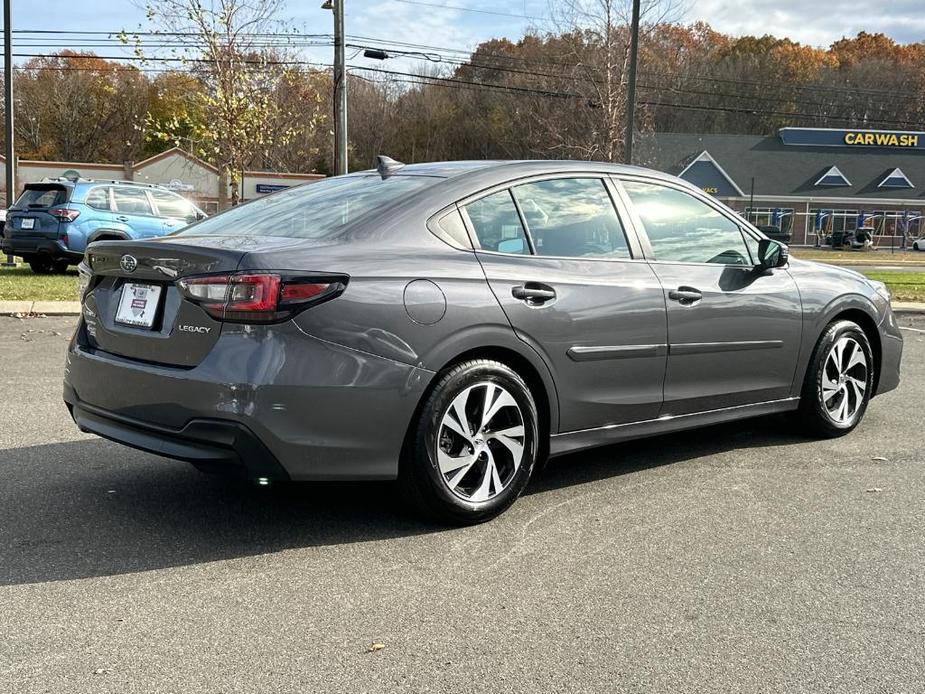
(908, 308)
(45, 308)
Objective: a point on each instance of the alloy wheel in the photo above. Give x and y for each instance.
(480, 442)
(844, 380)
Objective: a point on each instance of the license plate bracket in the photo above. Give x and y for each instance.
(138, 304)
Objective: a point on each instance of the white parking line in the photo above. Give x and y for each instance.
(915, 330)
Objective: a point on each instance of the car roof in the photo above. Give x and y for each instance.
(514, 167)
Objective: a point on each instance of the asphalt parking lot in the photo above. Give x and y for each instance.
(739, 558)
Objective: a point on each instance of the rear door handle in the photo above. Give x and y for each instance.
(121, 219)
(686, 296)
(533, 293)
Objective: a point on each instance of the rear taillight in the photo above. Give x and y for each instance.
(64, 214)
(84, 278)
(259, 297)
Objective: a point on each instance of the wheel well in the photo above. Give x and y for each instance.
(869, 327)
(108, 237)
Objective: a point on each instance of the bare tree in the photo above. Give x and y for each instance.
(224, 43)
(597, 37)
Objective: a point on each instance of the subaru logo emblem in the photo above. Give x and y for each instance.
(128, 263)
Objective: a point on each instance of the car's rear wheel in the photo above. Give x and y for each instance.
(60, 266)
(474, 444)
(839, 381)
(40, 266)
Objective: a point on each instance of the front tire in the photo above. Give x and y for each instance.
(474, 445)
(838, 382)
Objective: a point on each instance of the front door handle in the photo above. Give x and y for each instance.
(533, 293)
(686, 296)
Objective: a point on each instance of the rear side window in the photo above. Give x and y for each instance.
(98, 198)
(684, 229)
(313, 210)
(131, 201)
(572, 217)
(37, 196)
(170, 205)
(497, 224)
(450, 228)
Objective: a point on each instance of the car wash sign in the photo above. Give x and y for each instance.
(832, 137)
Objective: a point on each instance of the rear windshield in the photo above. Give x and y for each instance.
(35, 196)
(311, 211)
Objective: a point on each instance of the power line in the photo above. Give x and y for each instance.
(544, 92)
(460, 8)
(288, 36)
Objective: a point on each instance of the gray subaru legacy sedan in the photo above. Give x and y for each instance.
(453, 325)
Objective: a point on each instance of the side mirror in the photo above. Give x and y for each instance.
(515, 246)
(772, 254)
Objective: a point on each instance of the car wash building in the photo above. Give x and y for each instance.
(814, 183)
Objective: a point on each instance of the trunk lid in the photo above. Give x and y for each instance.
(181, 333)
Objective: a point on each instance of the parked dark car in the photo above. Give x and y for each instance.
(452, 325)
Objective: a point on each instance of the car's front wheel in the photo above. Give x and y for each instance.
(838, 382)
(475, 444)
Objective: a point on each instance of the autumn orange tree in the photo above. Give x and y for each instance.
(78, 107)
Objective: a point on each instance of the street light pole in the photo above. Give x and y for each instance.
(8, 108)
(631, 88)
(340, 92)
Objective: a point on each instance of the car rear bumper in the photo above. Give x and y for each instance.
(36, 245)
(270, 401)
(211, 444)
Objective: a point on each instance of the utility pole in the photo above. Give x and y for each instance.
(8, 108)
(340, 91)
(631, 88)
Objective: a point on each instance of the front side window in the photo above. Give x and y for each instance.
(497, 224)
(573, 218)
(684, 229)
(170, 205)
(131, 201)
(98, 198)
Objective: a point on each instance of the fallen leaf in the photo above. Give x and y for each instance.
(880, 459)
(102, 671)
(874, 489)
(375, 646)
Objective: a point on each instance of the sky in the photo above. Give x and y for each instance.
(462, 24)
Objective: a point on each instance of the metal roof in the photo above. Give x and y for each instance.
(785, 170)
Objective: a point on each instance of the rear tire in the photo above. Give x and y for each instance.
(473, 446)
(59, 267)
(40, 266)
(838, 382)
